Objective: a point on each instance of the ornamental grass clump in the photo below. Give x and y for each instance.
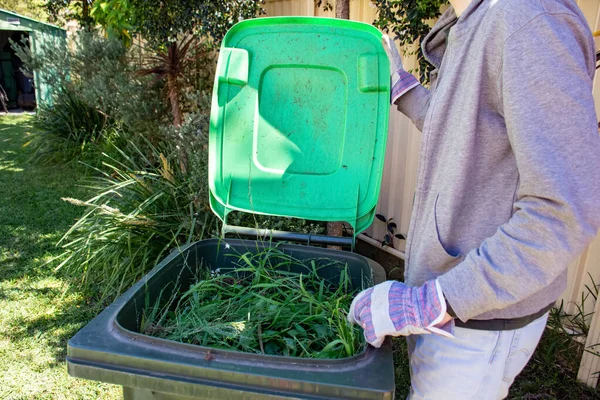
(269, 303)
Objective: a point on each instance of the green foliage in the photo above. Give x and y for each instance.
(105, 71)
(146, 199)
(68, 128)
(51, 60)
(60, 11)
(29, 8)
(390, 231)
(144, 206)
(163, 22)
(102, 71)
(115, 17)
(552, 371)
(264, 307)
(408, 21)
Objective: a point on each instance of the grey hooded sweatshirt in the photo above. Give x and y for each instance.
(508, 187)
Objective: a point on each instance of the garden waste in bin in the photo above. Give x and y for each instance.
(298, 128)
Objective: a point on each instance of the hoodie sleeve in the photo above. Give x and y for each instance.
(414, 103)
(545, 89)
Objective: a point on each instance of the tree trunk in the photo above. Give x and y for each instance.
(342, 9)
(173, 89)
(85, 12)
(334, 229)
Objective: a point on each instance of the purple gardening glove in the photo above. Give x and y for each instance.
(393, 309)
(402, 81)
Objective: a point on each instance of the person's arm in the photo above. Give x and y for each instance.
(414, 104)
(546, 90)
(411, 98)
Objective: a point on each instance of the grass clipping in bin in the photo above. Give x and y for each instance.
(261, 307)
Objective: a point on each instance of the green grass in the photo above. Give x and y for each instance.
(269, 303)
(37, 313)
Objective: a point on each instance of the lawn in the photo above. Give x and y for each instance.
(38, 312)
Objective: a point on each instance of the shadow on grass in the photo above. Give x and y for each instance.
(9, 295)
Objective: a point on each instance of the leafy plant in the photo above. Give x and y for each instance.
(116, 17)
(408, 21)
(391, 226)
(144, 206)
(565, 338)
(164, 22)
(262, 306)
(50, 60)
(68, 128)
(79, 10)
(171, 65)
(102, 73)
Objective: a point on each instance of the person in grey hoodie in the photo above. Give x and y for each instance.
(508, 192)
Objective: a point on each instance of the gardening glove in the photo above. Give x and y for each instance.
(401, 80)
(392, 308)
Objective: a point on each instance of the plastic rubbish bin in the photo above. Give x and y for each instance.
(111, 349)
(298, 128)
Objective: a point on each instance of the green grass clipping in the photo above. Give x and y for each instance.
(264, 306)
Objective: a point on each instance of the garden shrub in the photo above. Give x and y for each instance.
(150, 192)
(144, 206)
(101, 71)
(69, 128)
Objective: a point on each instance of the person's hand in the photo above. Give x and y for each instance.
(401, 80)
(392, 52)
(393, 309)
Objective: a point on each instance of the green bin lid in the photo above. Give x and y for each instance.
(299, 120)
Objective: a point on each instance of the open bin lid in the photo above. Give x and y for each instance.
(299, 120)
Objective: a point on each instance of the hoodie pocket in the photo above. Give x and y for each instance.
(436, 230)
(428, 258)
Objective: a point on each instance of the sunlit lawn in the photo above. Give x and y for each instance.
(36, 316)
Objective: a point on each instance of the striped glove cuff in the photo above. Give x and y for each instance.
(402, 82)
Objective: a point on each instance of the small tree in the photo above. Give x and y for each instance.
(161, 23)
(165, 23)
(170, 64)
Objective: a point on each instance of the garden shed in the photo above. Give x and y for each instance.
(23, 91)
